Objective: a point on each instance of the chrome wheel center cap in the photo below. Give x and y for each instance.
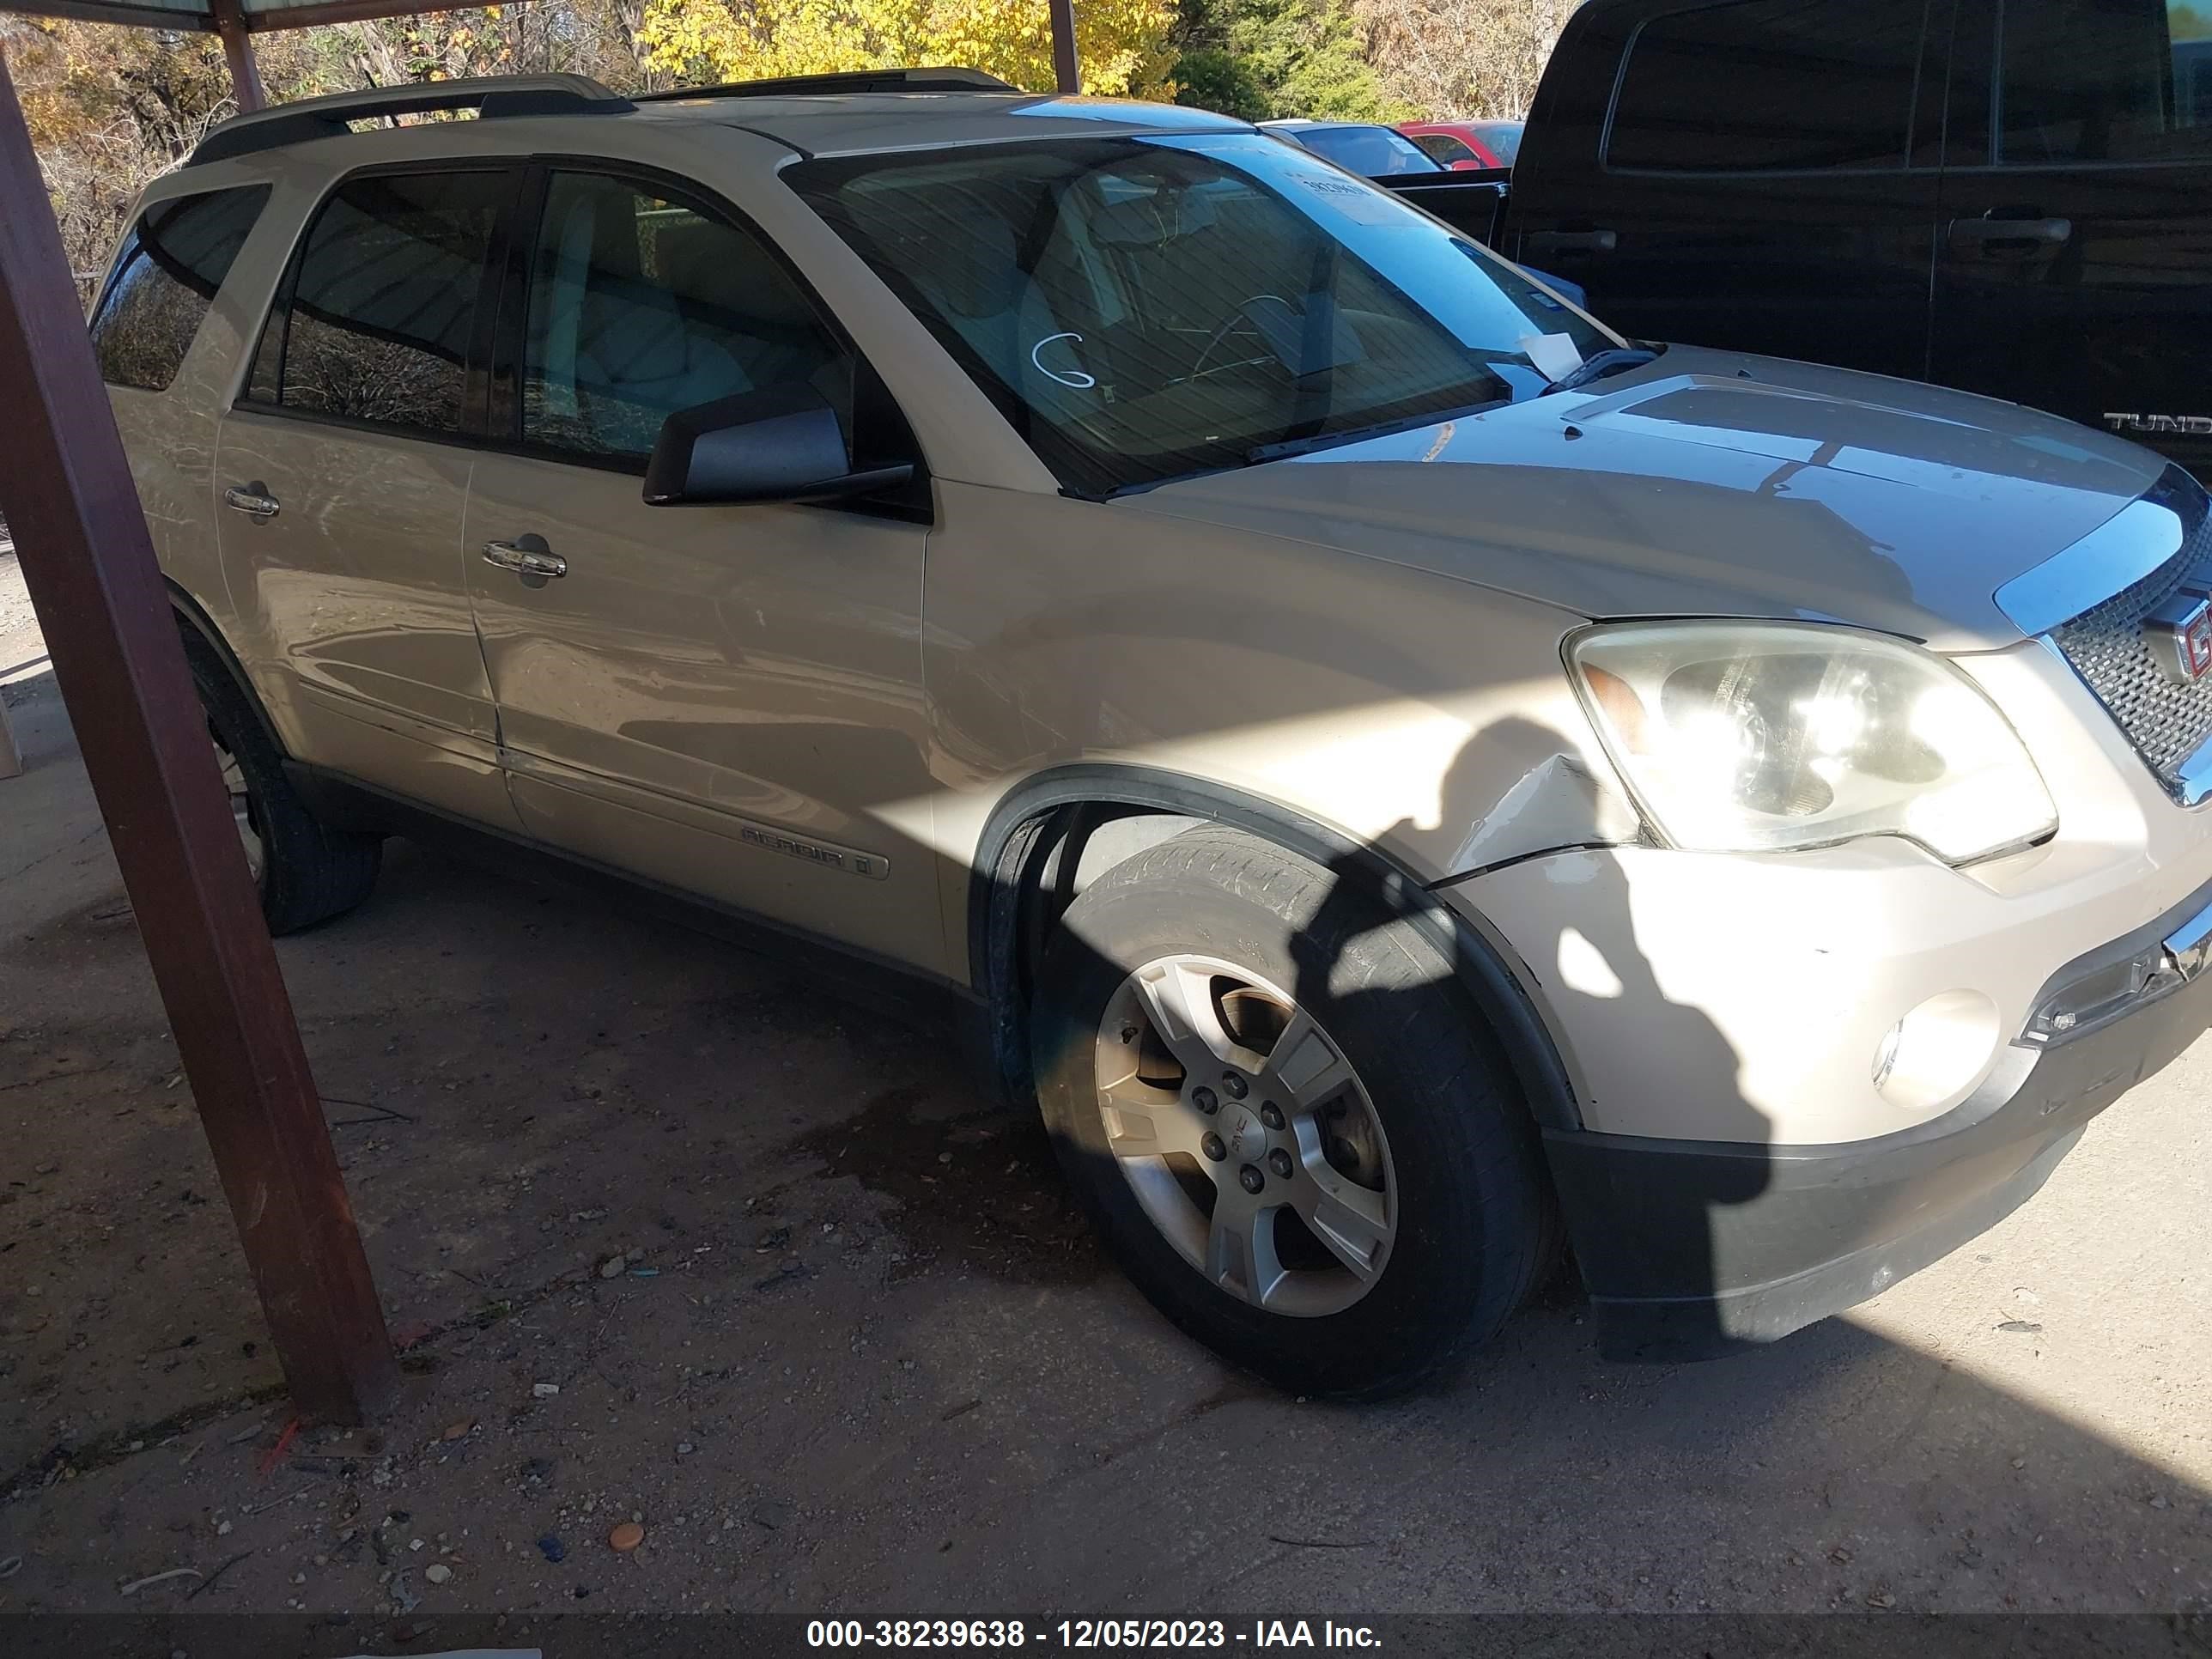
(1245, 1136)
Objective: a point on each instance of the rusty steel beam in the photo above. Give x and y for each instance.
(238, 54)
(112, 11)
(1065, 70)
(82, 543)
(305, 15)
(318, 12)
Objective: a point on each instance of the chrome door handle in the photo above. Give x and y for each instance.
(250, 502)
(525, 561)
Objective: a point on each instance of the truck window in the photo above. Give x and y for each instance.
(1443, 149)
(1769, 85)
(373, 322)
(166, 276)
(2103, 81)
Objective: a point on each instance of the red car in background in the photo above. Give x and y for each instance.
(1466, 144)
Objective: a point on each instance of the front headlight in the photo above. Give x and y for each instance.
(1755, 737)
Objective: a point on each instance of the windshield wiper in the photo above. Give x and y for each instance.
(1353, 434)
(1614, 360)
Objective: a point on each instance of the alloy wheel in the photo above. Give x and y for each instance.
(243, 812)
(1246, 1134)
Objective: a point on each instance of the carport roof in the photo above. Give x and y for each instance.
(257, 15)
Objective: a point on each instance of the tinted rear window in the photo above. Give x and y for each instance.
(379, 311)
(1769, 84)
(166, 276)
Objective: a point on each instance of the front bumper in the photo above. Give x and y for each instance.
(1692, 1249)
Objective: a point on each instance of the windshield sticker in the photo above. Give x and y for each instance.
(1073, 377)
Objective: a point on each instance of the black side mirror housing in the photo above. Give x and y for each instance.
(781, 444)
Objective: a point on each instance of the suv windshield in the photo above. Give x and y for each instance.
(1146, 308)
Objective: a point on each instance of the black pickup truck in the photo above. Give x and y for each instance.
(2013, 197)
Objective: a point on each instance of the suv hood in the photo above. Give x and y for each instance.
(1712, 484)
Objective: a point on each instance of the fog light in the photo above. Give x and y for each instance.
(1935, 1054)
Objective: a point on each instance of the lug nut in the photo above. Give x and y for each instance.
(1233, 1085)
(1279, 1162)
(1203, 1099)
(1214, 1147)
(1271, 1114)
(1252, 1178)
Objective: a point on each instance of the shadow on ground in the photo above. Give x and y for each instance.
(673, 1236)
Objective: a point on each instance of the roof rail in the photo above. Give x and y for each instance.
(944, 79)
(491, 96)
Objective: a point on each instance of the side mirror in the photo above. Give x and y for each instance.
(782, 444)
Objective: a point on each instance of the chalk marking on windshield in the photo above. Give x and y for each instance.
(1073, 377)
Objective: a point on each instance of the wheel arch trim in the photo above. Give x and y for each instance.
(1006, 860)
(194, 617)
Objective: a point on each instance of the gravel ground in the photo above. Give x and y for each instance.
(23, 652)
(675, 1239)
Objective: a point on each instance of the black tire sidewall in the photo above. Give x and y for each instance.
(1469, 1199)
(308, 872)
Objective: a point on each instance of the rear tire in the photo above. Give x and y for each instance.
(306, 871)
(1428, 1230)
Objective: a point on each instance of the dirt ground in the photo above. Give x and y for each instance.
(673, 1238)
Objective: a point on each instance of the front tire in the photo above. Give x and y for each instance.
(1287, 1120)
(305, 870)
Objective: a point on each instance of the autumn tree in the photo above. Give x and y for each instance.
(1465, 59)
(1263, 58)
(1123, 45)
(110, 107)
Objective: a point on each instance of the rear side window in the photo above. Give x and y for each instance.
(1769, 85)
(2103, 81)
(166, 276)
(376, 318)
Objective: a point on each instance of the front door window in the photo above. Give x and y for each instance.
(640, 305)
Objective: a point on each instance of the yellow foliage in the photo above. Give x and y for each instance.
(1122, 45)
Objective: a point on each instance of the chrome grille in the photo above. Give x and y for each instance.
(2166, 720)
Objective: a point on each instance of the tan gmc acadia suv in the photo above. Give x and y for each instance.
(1401, 774)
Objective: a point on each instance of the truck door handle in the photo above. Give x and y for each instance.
(1582, 241)
(254, 500)
(526, 562)
(1987, 235)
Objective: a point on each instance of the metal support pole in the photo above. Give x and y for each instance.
(238, 53)
(81, 539)
(1063, 47)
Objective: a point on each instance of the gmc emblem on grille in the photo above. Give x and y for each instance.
(2178, 634)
